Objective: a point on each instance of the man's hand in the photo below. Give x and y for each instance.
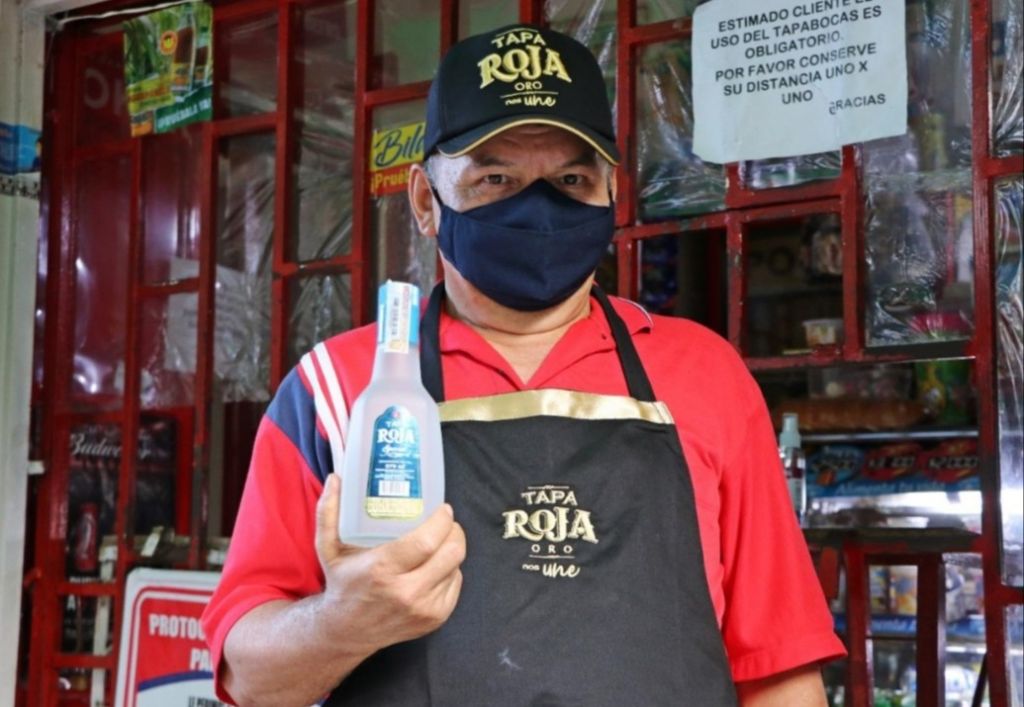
(285, 653)
(395, 592)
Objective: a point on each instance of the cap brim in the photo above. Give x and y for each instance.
(469, 140)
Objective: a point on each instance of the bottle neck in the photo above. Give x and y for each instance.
(388, 365)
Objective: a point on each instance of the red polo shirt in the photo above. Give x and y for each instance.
(766, 595)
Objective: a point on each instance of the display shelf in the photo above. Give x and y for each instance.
(964, 632)
(828, 356)
(890, 435)
(897, 540)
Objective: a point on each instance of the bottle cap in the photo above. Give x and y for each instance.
(790, 436)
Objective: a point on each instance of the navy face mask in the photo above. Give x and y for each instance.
(529, 251)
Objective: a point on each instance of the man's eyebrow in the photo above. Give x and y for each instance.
(584, 159)
(486, 160)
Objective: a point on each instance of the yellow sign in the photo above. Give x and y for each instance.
(391, 153)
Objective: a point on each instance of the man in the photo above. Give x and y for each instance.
(619, 531)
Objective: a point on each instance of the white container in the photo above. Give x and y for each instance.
(393, 470)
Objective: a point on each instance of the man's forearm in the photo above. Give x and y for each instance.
(279, 654)
(801, 687)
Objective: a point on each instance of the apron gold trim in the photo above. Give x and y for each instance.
(553, 403)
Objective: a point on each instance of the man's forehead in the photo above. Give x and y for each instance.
(524, 141)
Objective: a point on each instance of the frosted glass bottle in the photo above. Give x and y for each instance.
(393, 470)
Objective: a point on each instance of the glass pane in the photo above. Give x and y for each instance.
(592, 22)
(167, 351)
(1009, 203)
(170, 203)
(895, 671)
(791, 171)
(671, 180)
(400, 252)
(478, 16)
(965, 627)
(321, 222)
(94, 461)
(794, 286)
(407, 42)
(102, 204)
(246, 69)
(320, 308)
(245, 224)
(685, 276)
(1015, 654)
(101, 111)
(918, 232)
(1007, 80)
(650, 11)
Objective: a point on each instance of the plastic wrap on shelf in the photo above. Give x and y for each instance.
(651, 11)
(321, 220)
(242, 291)
(919, 253)
(322, 217)
(170, 200)
(319, 308)
(593, 24)
(1009, 231)
(407, 42)
(246, 66)
(918, 190)
(478, 16)
(791, 171)
(672, 181)
(1007, 76)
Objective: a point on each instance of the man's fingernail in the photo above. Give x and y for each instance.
(449, 509)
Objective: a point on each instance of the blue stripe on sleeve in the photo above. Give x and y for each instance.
(293, 411)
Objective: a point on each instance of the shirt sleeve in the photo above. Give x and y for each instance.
(776, 617)
(272, 554)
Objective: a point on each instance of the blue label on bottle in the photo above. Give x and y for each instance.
(394, 488)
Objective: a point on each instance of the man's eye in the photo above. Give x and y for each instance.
(572, 180)
(496, 179)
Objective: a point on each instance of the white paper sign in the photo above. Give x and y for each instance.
(780, 78)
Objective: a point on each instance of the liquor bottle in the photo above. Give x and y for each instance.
(393, 469)
(794, 464)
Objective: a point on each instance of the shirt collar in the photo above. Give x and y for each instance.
(590, 335)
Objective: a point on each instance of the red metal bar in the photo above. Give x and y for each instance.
(395, 94)
(84, 660)
(87, 589)
(852, 229)
(831, 356)
(776, 212)
(361, 246)
(626, 255)
(634, 35)
(858, 620)
(1003, 166)
(51, 518)
(625, 85)
(449, 24)
(283, 158)
(738, 196)
(530, 11)
(161, 290)
(125, 501)
(985, 369)
(240, 10)
(208, 178)
(931, 631)
(706, 222)
(101, 151)
(736, 280)
(244, 125)
(328, 266)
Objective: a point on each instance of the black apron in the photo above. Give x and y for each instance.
(584, 580)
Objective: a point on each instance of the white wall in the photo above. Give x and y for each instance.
(21, 85)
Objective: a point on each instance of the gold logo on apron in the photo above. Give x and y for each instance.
(552, 522)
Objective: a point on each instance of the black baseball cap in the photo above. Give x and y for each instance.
(512, 76)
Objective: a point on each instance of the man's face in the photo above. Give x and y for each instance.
(514, 159)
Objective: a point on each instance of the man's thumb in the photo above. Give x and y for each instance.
(328, 544)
